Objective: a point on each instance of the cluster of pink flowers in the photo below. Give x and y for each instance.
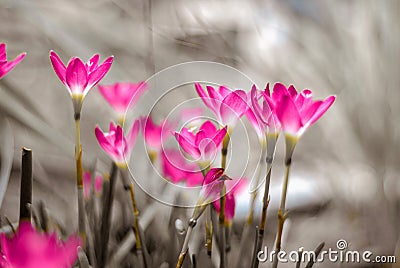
(282, 110)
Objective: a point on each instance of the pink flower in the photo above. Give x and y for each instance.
(155, 135)
(116, 145)
(264, 119)
(176, 168)
(204, 145)
(233, 187)
(31, 249)
(228, 106)
(121, 95)
(87, 183)
(6, 66)
(210, 191)
(78, 77)
(296, 111)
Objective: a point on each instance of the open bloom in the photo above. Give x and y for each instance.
(121, 95)
(228, 106)
(87, 183)
(30, 249)
(204, 145)
(233, 188)
(115, 144)
(79, 77)
(296, 111)
(6, 66)
(265, 118)
(210, 191)
(177, 169)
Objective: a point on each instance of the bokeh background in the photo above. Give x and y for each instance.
(345, 175)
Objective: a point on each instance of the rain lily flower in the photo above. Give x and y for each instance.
(233, 188)
(79, 77)
(210, 191)
(204, 145)
(121, 95)
(155, 135)
(177, 169)
(266, 119)
(293, 111)
(6, 66)
(30, 249)
(116, 145)
(297, 111)
(228, 106)
(87, 183)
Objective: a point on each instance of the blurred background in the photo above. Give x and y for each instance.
(345, 173)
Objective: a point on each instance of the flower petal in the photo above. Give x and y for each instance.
(131, 138)
(279, 91)
(58, 66)
(8, 66)
(219, 137)
(213, 175)
(97, 74)
(325, 105)
(208, 128)
(202, 94)
(288, 115)
(233, 107)
(92, 64)
(3, 53)
(107, 145)
(76, 76)
(187, 146)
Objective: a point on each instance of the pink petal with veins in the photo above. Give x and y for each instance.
(76, 76)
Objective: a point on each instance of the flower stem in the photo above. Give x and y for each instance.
(290, 145)
(25, 210)
(129, 186)
(222, 233)
(209, 230)
(185, 246)
(79, 180)
(271, 139)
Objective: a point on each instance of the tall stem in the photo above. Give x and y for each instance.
(222, 233)
(281, 215)
(129, 186)
(208, 224)
(290, 145)
(271, 145)
(79, 180)
(185, 246)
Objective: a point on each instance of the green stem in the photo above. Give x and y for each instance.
(129, 186)
(271, 139)
(222, 233)
(185, 246)
(290, 145)
(79, 180)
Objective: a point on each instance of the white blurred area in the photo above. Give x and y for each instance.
(345, 174)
